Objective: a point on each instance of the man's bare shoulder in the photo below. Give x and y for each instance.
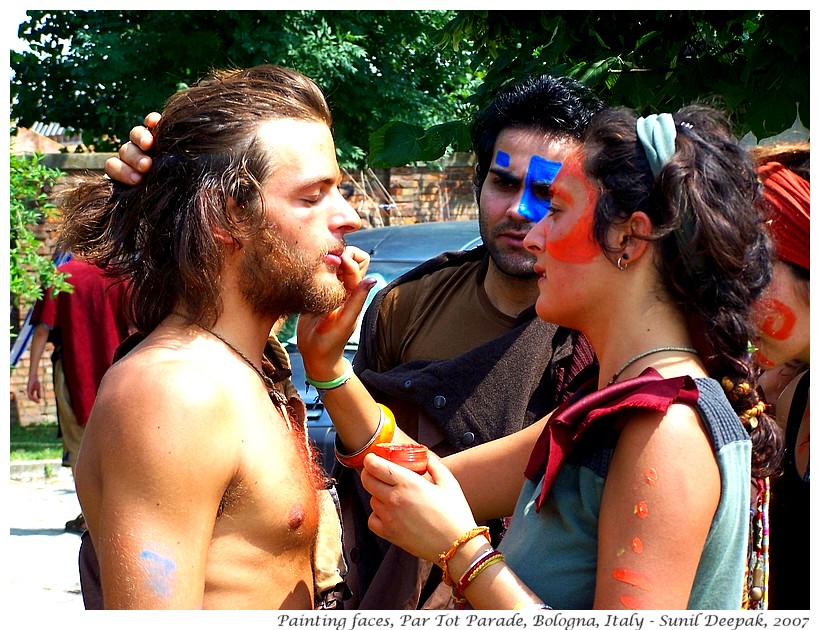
(164, 398)
(176, 374)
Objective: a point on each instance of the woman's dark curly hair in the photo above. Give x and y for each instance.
(713, 251)
(160, 235)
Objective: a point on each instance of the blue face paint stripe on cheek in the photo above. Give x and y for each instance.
(161, 572)
(542, 172)
(502, 159)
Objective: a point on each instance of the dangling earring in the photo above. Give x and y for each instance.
(622, 266)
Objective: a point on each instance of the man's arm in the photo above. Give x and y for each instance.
(34, 389)
(157, 458)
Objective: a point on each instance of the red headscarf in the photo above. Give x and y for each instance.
(787, 195)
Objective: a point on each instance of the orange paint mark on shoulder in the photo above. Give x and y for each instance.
(637, 545)
(650, 475)
(641, 509)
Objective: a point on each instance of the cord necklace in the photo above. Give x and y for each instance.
(275, 395)
(265, 378)
(646, 354)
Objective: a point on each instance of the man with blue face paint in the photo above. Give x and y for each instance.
(454, 347)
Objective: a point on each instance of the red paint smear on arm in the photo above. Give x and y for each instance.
(631, 602)
(638, 580)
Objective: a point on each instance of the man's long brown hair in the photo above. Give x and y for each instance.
(160, 234)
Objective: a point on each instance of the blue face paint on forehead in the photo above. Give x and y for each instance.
(502, 159)
(540, 174)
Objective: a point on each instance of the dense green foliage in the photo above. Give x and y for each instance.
(413, 78)
(754, 64)
(30, 271)
(374, 66)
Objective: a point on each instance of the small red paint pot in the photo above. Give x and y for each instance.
(411, 456)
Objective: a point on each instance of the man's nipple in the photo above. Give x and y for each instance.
(296, 516)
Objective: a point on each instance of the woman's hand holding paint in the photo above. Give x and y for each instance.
(420, 514)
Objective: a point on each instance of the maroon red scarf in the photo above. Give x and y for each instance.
(575, 416)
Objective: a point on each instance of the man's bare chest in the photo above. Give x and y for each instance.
(272, 497)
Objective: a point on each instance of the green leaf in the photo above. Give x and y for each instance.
(395, 144)
(399, 144)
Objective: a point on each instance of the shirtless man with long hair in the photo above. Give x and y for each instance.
(195, 475)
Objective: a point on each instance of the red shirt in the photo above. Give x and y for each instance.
(92, 324)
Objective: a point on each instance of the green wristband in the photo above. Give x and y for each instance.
(336, 382)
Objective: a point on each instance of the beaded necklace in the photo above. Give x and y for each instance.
(646, 354)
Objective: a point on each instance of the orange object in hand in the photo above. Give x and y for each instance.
(410, 456)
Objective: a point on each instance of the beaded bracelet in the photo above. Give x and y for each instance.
(384, 433)
(336, 382)
(445, 556)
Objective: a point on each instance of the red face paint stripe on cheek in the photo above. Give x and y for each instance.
(779, 321)
(577, 245)
(764, 361)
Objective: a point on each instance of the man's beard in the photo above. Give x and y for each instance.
(516, 264)
(276, 280)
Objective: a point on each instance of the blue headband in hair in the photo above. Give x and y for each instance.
(657, 135)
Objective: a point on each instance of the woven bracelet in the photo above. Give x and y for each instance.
(445, 556)
(384, 433)
(473, 572)
(466, 579)
(336, 382)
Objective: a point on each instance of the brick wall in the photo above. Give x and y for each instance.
(422, 195)
(413, 194)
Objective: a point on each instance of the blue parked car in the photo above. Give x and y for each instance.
(393, 250)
